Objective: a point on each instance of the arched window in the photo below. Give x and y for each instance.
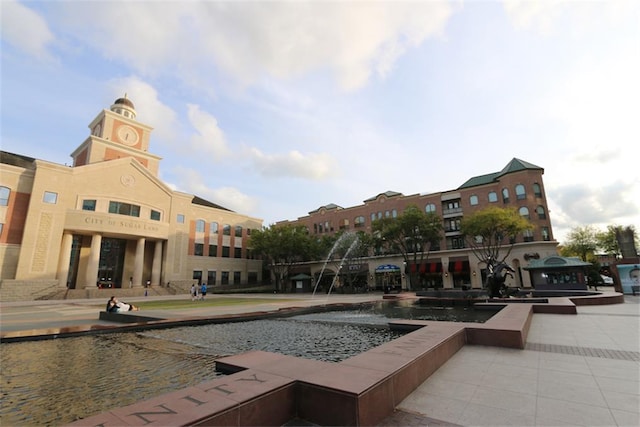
(430, 207)
(521, 193)
(541, 212)
(524, 211)
(238, 231)
(394, 213)
(4, 196)
(473, 200)
(493, 197)
(200, 226)
(358, 222)
(214, 228)
(505, 195)
(373, 216)
(537, 191)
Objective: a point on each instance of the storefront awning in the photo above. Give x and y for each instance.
(387, 268)
(426, 268)
(459, 266)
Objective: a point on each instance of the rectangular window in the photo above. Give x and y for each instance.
(198, 249)
(50, 197)
(155, 215)
(237, 252)
(238, 232)
(213, 250)
(5, 192)
(226, 230)
(224, 278)
(197, 275)
(124, 209)
(211, 278)
(545, 234)
(236, 277)
(88, 205)
(180, 219)
(1, 228)
(225, 252)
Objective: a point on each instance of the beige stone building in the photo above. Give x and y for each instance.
(450, 264)
(109, 221)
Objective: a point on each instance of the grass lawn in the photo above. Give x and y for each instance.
(209, 301)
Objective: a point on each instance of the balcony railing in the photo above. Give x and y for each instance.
(451, 211)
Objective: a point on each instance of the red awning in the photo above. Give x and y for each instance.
(426, 268)
(458, 266)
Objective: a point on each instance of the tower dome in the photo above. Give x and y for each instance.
(124, 106)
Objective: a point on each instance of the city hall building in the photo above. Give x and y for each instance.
(109, 221)
(450, 263)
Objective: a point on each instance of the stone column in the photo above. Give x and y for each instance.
(91, 277)
(156, 268)
(139, 263)
(65, 256)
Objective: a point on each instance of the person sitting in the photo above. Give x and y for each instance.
(115, 306)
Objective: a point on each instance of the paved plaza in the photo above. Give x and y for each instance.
(576, 370)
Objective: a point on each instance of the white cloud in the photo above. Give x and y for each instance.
(191, 182)
(209, 138)
(248, 39)
(149, 108)
(580, 17)
(314, 166)
(25, 29)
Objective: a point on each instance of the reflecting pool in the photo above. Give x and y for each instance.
(58, 381)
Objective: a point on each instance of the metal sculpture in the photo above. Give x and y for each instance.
(497, 275)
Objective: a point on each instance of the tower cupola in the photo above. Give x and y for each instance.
(124, 107)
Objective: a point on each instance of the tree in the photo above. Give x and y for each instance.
(281, 246)
(412, 234)
(581, 242)
(487, 232)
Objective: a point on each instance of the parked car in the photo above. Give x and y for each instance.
(607, 280)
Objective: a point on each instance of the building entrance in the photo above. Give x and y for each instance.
(111, 263)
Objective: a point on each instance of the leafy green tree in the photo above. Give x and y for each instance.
(488, 232)
(491, 229)
(281, 247)
(581, 242)
(411, 234)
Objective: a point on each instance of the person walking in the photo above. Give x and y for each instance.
(194, 292)
(203, 290)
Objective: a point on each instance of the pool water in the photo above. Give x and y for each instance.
(59, 381)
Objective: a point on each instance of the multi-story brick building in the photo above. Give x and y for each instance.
(109, 220)
(519, 184)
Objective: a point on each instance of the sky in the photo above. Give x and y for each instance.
(273, 109)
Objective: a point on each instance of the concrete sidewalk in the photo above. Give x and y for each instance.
(576, 370)
(81, 314)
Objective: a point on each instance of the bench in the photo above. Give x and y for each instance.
(635, 289)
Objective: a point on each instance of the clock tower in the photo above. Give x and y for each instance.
(115, 133)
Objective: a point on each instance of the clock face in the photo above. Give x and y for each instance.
(127, 135)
